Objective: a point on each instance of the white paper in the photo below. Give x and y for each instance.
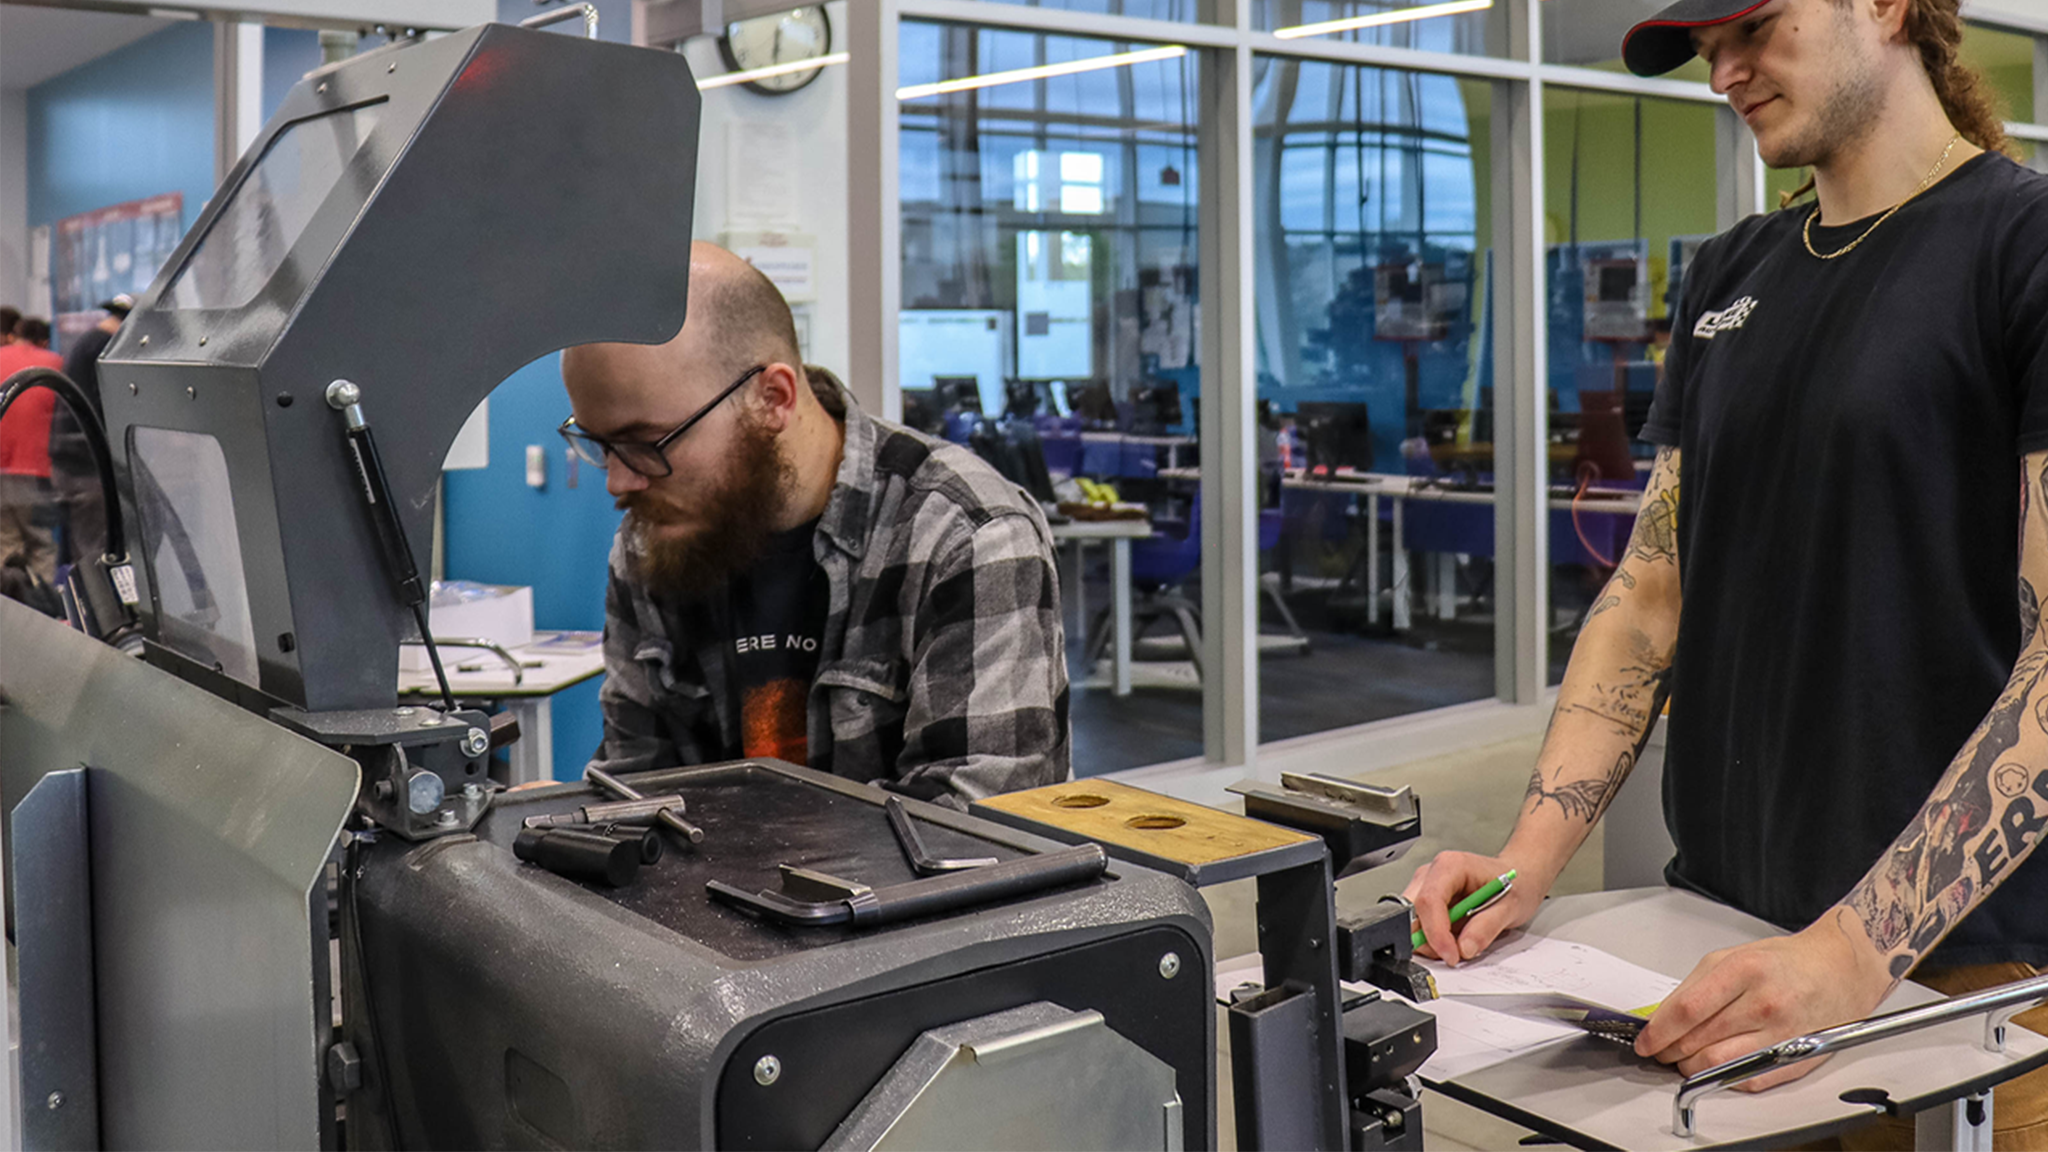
(1527, 963)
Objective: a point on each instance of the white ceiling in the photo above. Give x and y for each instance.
(38, 43)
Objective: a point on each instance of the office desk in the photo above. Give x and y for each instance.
(1119, 534)
(564, 659)
(1374, 486)
(1595, 1093)
(1172, 444)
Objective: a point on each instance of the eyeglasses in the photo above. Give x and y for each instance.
(649, 458)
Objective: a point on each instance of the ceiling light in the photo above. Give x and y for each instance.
(1396, 16)
(1091, 64)
(750, 74)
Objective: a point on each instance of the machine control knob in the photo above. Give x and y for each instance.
(424, 792)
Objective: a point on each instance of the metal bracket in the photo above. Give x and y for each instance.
(1364, 825)
(923, 862)
(2002, 1003)
(52, 874)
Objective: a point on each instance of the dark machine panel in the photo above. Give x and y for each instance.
(847, 1047)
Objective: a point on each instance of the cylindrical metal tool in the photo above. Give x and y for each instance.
(643, 811)
(671, 817)
(644, 838)
(579, 855)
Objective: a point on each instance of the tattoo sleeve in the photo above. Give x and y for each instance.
(1989, 809)
(1620, 670)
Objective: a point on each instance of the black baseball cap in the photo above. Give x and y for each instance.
(1664, 41)
(119, 305)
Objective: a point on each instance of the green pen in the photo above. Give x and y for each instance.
(1488, 892)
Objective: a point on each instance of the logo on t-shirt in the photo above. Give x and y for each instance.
(1727, 319)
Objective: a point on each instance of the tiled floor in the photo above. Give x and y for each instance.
(1469, 801)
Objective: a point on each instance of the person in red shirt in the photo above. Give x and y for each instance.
(25, 453)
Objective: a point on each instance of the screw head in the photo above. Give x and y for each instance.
(767, 1070)
(476, 742)
(472, 791)
(1169, 965)
(402, 711)
(55, 1101)
(202, 341)
(132, 390)
(424, 792)
(342, 393)
(447, 818)
(191, 393)
(429, 718)
(321, 88)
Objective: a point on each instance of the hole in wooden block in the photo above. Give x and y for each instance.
(1151, 822)
(1080, 800)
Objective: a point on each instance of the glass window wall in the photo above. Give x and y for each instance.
(1589, 35)
(1375, 381)
(1630, 192)
(1049, 321)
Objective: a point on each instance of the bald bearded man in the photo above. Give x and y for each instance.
(797, 579)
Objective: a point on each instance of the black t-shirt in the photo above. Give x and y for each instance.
(1849, 493)
(778, 621)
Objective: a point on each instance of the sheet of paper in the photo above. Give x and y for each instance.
(1527, 963)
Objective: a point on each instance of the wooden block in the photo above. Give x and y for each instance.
(1134, 818)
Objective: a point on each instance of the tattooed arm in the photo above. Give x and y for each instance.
(1613, 691)
(1983, 818)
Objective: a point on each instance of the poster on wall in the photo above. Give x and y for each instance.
(108, 251)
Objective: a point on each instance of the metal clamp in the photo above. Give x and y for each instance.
(587, 11)
(2002, 1003)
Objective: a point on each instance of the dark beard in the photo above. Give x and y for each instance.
(737, 522)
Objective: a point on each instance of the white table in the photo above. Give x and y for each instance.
(1172, 444)
(554, 661)
(1400, 489)
(1119, 534)
(1594, 1092)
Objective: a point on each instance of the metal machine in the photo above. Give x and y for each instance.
(258, 903)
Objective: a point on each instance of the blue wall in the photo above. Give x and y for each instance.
(288, 54)
(129, 125)
(557, 540)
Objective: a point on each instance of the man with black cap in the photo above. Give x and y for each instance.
(77, 482)
(1849, 386)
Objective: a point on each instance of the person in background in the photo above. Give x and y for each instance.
(797, 579)
(74, 480)
(9, 317)
(25, 454)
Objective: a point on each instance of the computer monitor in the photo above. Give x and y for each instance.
(1337, 435)
(1094, 402)
(1155, 407)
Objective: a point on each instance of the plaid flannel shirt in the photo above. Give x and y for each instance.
(942, 671)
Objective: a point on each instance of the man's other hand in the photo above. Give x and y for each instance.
(1450, 878)
(1741, 999)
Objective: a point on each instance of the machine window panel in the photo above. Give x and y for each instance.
(191, 550)
(257, 228)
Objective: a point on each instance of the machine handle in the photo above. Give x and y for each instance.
(587, 11)
(865, 907)
(2001, 1004)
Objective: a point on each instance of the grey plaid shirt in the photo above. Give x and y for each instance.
(942, 670)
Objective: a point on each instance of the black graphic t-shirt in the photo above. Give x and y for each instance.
(778, 618)
(1849, 492)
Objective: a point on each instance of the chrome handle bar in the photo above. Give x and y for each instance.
(2001, 1004)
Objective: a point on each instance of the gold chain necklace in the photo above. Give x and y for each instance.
(1807, 233)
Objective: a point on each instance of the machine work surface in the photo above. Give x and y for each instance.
(1594, 1093)
(755, 820)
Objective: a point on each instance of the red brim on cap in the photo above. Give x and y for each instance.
(1664, 41)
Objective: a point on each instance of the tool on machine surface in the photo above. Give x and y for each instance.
(812, 897)
(921, 861)
(579, 855)
(670, 816)
(642, 811)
